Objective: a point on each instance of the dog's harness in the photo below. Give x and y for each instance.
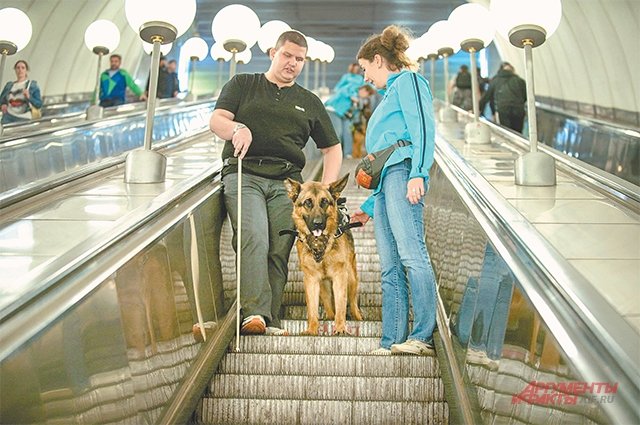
(342, 228)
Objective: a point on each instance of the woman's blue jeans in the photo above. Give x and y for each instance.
(343, 125)
(399, 230)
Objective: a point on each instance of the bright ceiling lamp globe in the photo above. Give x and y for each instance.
(196, 47)
(102, 37)
(236, 26)
(444, 38)
(244, 57)
(313, 48)
(164, 19)
(535, 20)
(474, 25)
(331, 54)
(219, 53)
(414, 52)
(269, 34)
(15, 30)
(164, 49)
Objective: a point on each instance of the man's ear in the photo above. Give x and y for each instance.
(337, 187)
(293, 187)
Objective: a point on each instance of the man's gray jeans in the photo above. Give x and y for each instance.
(266, 209)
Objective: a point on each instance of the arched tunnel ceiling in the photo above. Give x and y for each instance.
(592, 58)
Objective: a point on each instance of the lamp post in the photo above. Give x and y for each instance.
(15, 33)
(330, 55)
(475, 28)
(197, 49)
(244, 57)
(220, 55)
(101, 37)
(527, 24)
(158, 22)
(236, 27)
(445, 41)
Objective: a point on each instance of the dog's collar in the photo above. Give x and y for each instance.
(339, 231)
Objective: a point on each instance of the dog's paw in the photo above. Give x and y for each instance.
(341, 332)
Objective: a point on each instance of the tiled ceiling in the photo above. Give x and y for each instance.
(341, 24)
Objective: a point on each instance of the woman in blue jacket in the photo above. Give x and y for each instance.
(405, 113)
(18, 96)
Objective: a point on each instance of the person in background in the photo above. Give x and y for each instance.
(165, 81)
(461, 88)
(508, 93)
(114, 82)
(267, 119)
(341, 106)
(405, 114)
(171, 68)
(18, 96)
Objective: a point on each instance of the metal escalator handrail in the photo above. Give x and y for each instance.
(594, 336)
(27, 191)
(585, 119)
(70, 128)
(35, 310)
(624, 191)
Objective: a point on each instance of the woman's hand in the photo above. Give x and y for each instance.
(359, 217)
(415, 189)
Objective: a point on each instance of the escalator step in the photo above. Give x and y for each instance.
(285, 412)
(347, 364)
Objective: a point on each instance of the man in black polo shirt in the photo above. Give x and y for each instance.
(267, 119)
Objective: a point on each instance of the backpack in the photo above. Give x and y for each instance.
(463, 81)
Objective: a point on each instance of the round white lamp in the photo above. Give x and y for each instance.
(101, 37)
(158, 22)
(15, 34)
(197, 49)
(244, 57)
(527, 24)
(474, 25)
(269, 34)
(446, 41)
(235, 26)
(220, 55)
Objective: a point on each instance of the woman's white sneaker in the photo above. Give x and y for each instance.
(412, 346)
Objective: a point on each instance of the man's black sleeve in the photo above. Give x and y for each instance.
(230, 96)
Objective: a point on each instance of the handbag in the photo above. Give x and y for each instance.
(369, 170)
(36, 113)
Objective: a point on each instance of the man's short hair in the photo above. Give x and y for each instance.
(172, 61)
(115, 55)
(292, 36)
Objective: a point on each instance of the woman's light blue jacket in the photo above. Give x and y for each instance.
(405, 113)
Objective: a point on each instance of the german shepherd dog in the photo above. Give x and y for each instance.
(326, 253)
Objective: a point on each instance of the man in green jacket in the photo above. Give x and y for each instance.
(507, 95)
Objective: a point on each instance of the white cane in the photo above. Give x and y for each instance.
(239, 252)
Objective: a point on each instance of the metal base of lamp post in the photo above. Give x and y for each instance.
(145, 166)
(1, 128)
(477, 133)
(535, 169)
(448, 115)
(95, 112)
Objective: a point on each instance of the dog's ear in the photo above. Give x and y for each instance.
(293, 187)
(337, 187)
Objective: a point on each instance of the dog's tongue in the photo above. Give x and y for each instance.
(317, 233)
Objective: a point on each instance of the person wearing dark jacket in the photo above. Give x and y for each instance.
(508, 94)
